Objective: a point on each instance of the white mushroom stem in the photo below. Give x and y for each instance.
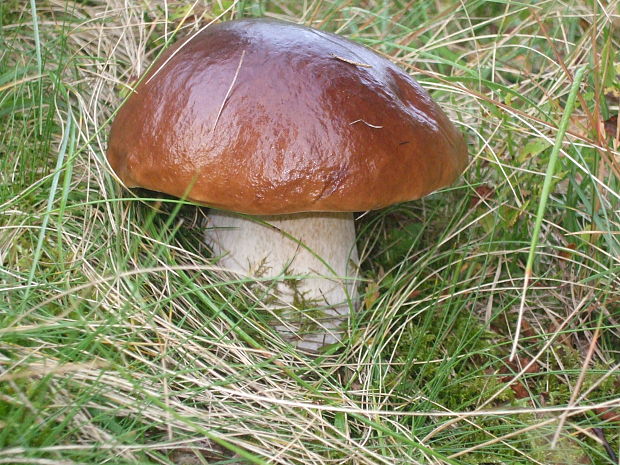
(312, 311)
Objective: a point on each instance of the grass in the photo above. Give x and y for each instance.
(120, 342)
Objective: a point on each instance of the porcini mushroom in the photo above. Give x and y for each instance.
(298, 128)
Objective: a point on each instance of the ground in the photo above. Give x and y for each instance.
(121, 343)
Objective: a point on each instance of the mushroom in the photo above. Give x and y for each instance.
(285, 131)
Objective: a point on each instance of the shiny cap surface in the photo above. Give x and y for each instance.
(261, 116)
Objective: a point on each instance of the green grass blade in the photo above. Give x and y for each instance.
(68, 134)
(544, 196)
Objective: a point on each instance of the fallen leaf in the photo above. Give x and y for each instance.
(481, 193)
(566, 253)
(611, 126)
(608, 414)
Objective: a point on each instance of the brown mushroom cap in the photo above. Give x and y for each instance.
(261, 116)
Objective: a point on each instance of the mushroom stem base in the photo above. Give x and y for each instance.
(313, 260)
